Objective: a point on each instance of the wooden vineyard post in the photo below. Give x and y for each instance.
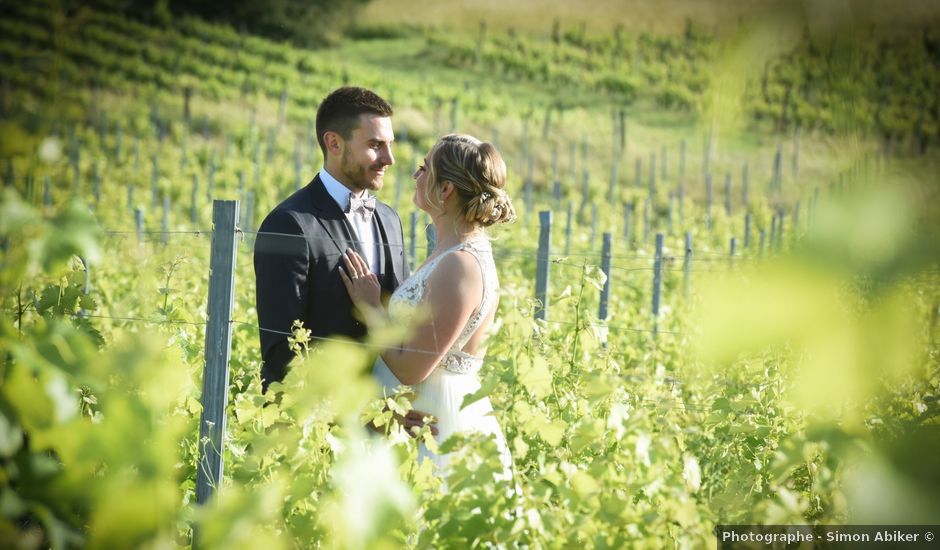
(556, 183)
(249, 212)
(542, 264)
(585, 192)
(77, 174)
(779, 243)
(313, 149)
(682, 159)
(165, 224)
(627, 222)
(194, 200)
(687, 265)
(773, 230)
(665, 164)
(187, 97)
(154, 188)
(778, 161)
(86, 287)
(218, 349)
(139, 224)
(796, 152)
(96, 184)
(184, 148)
(796, 220)
(657, 282)
(747, 230)
(623, 131)
(763, 241)
(210, 177)
(605, 267)
(568, 222)
(399, 183)
(282, 110)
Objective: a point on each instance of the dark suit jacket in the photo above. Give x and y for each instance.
(297, 273)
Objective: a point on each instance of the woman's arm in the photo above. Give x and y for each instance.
(454, 290)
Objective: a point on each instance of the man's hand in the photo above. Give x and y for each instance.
(412, 422)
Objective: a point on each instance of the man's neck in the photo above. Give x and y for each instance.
(336, 174)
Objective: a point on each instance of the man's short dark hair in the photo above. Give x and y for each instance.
(339, 112)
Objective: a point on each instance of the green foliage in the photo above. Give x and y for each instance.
(88, 438)
(618, 439)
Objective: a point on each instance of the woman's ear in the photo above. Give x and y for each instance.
(447, 189)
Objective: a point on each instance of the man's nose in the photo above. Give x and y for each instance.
(387, 157)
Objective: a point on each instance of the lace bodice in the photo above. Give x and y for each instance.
(411, 292)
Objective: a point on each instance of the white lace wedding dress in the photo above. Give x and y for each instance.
(457, 375)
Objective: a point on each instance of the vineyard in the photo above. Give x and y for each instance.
(705, 318)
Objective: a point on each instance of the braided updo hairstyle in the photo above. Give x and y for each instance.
(478, 173)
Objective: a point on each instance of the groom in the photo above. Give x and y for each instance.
(300, 244)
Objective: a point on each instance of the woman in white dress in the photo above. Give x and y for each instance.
(460, 185)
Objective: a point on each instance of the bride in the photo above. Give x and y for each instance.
(460, 185)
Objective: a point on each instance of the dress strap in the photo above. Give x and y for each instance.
(487, 270)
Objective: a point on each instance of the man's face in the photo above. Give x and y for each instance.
(367, 153)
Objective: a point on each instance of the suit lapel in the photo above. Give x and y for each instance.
(391, 247)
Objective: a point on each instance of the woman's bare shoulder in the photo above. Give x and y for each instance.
(458, 270)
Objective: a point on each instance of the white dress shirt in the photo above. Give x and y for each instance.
(365, 232)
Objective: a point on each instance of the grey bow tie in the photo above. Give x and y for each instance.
(365, 207)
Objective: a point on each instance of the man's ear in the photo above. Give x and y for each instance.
(334, 142)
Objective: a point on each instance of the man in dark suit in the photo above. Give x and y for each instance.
(298, 252)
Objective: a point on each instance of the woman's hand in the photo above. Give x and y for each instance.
(361, 284)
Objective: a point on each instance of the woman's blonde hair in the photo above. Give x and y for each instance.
(477, 172)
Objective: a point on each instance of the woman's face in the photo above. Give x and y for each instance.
(421, 181)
